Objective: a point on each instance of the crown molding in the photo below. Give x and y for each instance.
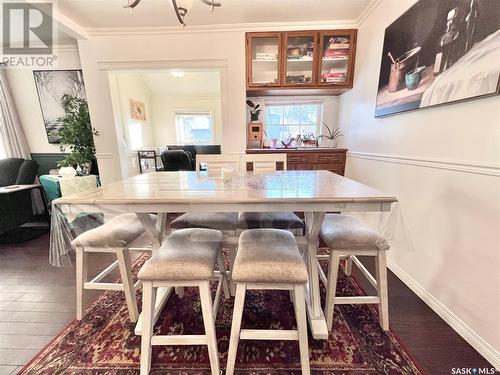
(239, 27)
(367, 11)
(65, 48)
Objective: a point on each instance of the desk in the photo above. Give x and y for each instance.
(313, 192)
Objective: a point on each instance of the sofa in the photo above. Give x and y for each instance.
(193, 150)
(16, 207)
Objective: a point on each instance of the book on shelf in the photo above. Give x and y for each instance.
(266, 56)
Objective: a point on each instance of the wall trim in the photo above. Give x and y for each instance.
(162, 64)
(104, 155)
(367, 11)
(467, 333)
(448, 164)
(237, 27)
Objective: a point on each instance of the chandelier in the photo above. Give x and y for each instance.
(181, 7)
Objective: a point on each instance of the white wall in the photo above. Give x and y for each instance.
(123, 87)
(212, 49)
(165, 107)
(23, 88)
(443, 164)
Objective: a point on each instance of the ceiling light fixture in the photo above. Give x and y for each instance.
(177, 74)
(181, 7)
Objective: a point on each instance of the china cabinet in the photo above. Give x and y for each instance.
(300, 62)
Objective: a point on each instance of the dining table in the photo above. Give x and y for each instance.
(313, 192)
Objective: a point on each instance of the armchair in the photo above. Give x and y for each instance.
(16, 207)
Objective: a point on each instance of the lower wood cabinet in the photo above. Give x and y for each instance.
(329, 159)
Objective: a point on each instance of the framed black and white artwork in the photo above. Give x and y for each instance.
(440, 52)
(51, 86)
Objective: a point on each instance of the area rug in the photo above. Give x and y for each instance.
(104, 342)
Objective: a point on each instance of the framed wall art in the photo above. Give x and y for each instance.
(440, 52)
(137, 110)
(51, 86)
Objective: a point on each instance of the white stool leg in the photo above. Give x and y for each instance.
(222, 269)
(232, 257)
(348, 266)
(333, 270)
(382, 289)
(300, 315)
(239, 302)
(125, 265)
(208, 321)
(179, 290)
(148, 306)
(81, 279)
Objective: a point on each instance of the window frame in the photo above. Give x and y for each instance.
(294, 102)
(210, 113)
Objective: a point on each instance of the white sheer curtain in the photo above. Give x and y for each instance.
(2, 150)
(12, 139)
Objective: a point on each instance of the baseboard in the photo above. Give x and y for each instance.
(485, 349)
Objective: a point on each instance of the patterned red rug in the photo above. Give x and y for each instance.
(104, 342)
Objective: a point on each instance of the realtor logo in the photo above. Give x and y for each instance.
(27, 28)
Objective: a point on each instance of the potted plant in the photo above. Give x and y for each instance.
(308, 139)
(76, 134)
(254, 111)
(331, 136)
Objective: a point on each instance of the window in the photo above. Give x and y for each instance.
(194, 128)
(283, 120)
(135, 136)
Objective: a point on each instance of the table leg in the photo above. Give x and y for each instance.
(151, 228)
(156, 231)
(317, 321)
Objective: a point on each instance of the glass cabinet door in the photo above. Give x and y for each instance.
(263, 59)
(299, 57)
(336, 55)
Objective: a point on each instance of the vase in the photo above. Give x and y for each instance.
(328, 143)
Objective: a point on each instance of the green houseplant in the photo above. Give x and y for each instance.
(76, 133)
(254, 111)
(331, 136)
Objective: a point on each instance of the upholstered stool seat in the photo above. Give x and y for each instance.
(117, 236)
(224, 221)
(268, 256)
(347, 232)
(277, 220)
(347, 236)
(120, 231)
(186, 258)
(269, 259)
(187, 254)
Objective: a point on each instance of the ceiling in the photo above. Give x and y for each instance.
(110, 13)
(193, 84)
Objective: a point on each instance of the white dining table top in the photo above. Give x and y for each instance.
(193, 187)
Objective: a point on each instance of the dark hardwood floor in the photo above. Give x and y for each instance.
(37, 301)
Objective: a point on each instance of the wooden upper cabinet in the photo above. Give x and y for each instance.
(300, 62)
(299, 58)
(336, 57)
(263, 56)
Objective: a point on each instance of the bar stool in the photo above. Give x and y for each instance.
(115, 236)
(269, 259)
(186, 258)
(347, 236)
